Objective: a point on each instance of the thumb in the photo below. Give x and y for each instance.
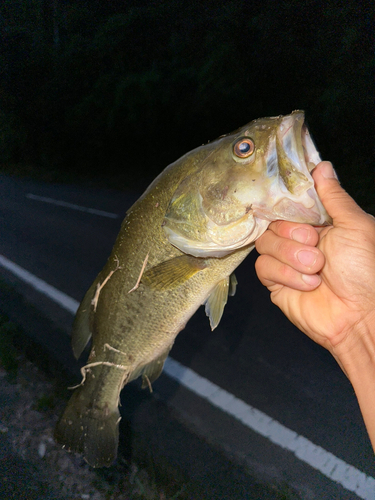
(339, 205)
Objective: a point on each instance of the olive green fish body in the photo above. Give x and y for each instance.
(177, 249)
(133, 331)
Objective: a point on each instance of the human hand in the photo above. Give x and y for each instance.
(323, 279)
(330, 297)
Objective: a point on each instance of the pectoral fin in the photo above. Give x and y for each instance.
(173, 272)
(216, 301)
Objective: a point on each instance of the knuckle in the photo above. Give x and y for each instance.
(285, 272)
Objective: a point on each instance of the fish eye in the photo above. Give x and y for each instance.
(244, 148)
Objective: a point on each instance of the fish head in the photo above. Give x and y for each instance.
(249, 178)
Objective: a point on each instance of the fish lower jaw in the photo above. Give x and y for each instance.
(292, 211)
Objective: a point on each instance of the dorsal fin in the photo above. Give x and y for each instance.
(81, 332)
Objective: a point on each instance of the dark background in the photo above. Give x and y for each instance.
(112, 91)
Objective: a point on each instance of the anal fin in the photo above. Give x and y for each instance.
(232, 285)
(152, 370)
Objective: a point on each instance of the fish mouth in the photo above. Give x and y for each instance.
(297, 156)
(299, 140)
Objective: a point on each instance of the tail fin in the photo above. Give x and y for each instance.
(89, 429)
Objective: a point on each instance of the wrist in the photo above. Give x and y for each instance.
(357, 360)
(357, 352)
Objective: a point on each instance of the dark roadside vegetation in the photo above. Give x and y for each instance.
(111, 92)
(32, 466)
(32, 395)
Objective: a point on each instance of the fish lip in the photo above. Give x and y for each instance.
(292, 211)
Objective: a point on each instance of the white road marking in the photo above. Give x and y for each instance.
(332, 467)
(53, 293)
(328, 464)
(71, 205)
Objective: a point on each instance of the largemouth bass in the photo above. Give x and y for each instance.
(177, 249)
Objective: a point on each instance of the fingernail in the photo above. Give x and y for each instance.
(311, 279)
(328, 171)
(301, 235)
(306, 257)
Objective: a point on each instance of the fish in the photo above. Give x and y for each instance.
(177, 249)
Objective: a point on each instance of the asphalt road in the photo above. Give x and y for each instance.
(255, 353)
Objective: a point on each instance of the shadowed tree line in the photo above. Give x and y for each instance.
(116, 90)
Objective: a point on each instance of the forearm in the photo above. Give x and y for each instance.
(358, 362)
